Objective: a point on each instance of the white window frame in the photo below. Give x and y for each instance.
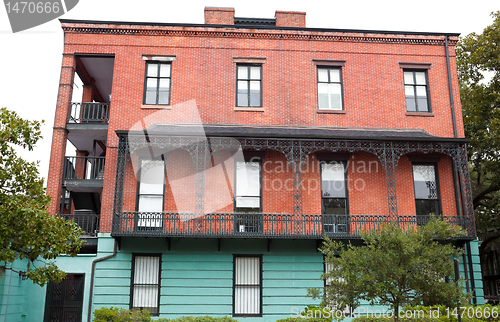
(246, 83)
(414, 87)
(157, 79)
(330, 83)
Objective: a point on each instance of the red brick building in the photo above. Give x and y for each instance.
(214, 157)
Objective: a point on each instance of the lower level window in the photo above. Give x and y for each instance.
(247, 298)
(347, 311)
(146, 283)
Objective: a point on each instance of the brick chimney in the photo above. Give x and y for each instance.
(219, 16)
(289, 19)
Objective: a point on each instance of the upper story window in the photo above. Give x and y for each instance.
(334, 197)
(426, 188)
(416, 91)
(334, 188)
(248, 85)
(150, 193)
(157, 83)
(330, 88)
(248, 197)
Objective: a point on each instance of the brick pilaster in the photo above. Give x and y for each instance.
(60, 134)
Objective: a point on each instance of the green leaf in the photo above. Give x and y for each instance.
(27, 230)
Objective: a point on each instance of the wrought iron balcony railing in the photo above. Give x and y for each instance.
(237, 225)
(89, 113)
(84, 168)
(88, 221)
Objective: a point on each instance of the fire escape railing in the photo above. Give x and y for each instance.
(87, 220)
(89, 113)
(84, 168)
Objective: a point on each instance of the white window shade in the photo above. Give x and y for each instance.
(150, 203)
(333, 180)
(247, 284)
(151, 188)
(248, 179)
(247, 202)
(152, 177)
(146, 283)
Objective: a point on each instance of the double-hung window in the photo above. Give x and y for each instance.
(248, 196)
(248, 85)
(151, 193)
(426, 190)
(416, 91)
(330, 88)
(146, 283)
(157, 83)
(347, 311)
(247, 285)
(334, 196)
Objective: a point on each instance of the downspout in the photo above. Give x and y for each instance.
(95, 261)
(453, 118)
(471, 272)
(8, 292)
(450, 87)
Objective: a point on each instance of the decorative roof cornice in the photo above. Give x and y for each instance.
(231, 31)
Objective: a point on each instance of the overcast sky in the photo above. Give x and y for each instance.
(30, 61)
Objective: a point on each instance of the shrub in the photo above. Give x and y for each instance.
(114, 314)
(199, 319)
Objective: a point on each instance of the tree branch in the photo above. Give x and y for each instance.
(11, 269)
(488, 240)
(482, 194)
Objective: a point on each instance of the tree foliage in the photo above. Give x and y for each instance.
(27, 230)
(394, 268)
(478, 62)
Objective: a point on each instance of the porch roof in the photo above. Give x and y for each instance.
(294, 132)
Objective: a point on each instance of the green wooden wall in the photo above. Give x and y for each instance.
(196, 277)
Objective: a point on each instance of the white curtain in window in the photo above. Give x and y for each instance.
(247, 285)
(248, 179)
(146, 278)
(151, 185)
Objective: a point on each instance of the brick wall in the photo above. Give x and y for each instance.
(204, 72)
(219, 16)
(290, 19)
(367, 194)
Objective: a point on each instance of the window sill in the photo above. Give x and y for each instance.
(249, 109)
(331, 111)
(159, 107)
(427, 114)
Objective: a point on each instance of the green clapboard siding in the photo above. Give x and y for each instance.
(197, 278)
